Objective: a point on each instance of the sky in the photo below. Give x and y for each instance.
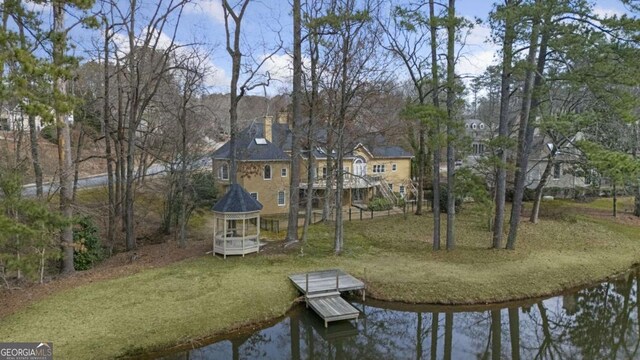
(269, 21)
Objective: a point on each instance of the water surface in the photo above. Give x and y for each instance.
(599, 322)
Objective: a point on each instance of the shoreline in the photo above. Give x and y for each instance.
(250, 327)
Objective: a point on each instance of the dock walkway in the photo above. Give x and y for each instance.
(321, 290)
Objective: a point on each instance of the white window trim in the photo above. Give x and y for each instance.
(394, 167)
(284, 198)
(221, 172)
(257, 195)
(283, 172)
(264, 173)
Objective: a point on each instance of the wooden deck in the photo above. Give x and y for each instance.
(325, 281)
(322, 289)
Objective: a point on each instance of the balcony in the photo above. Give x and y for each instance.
(350, 182)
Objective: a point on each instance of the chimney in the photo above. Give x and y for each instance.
(268, 126)
(283, 117)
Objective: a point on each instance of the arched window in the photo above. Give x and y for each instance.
(267, 172)
(474, 126)
(224, 172)
(481, 126)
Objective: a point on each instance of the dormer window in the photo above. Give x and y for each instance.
(261, 141)
(466, 126)
(474, 126)
(481, 126)
(267, 172)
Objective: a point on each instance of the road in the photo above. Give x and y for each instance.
(86, 182)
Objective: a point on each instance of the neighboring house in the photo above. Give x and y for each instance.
(562, 174)
(264, 167)
(479, 133)
(563, 164)
(13, 118)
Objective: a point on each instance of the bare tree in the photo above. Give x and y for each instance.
(294, 188)
(233, 16)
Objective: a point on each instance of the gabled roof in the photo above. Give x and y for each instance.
(390, 152)
(248, 149)
(237, 200)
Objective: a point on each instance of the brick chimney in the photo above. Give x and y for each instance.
(268, 128)
(283, 117)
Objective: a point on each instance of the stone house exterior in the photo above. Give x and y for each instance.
(264, 168)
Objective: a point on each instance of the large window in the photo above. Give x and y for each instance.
(224, 172)
(378, 168)
(322, 172)
(281, 198)
(557, 171)
(267, 172)
(478, 149)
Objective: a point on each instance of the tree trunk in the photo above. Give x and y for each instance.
(294, 189)
(496, 335)
(313, 45)
(448, 335)
(615, 200)
(435, 318)
(503, 127)
(35, 154)
(420, 160)
(76, 169)
(346, 49)
(130, 229)
(64, 142)
(233, 48)
(182, 179)
(451, 131)
(523, 161)
(514, 332)
(535, 211)
(636, 201)
(436, 132)
(106, 113)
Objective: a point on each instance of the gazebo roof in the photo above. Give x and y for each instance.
(237, 200)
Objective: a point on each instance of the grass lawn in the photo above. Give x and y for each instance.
(196, 298)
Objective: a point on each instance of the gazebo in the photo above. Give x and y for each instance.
(236, 223)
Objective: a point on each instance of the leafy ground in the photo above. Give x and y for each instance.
(156, 308)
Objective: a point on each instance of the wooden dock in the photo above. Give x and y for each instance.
(321, 290)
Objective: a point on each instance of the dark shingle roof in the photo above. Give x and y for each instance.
(248, 149)
(390, 152)
(237, 200)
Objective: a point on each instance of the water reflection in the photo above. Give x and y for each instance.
(595, 323)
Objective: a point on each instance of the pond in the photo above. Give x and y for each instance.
(592, 323)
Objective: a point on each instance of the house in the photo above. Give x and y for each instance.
(263, 153)
(564, 157)
(479, 133)
(14, 118)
